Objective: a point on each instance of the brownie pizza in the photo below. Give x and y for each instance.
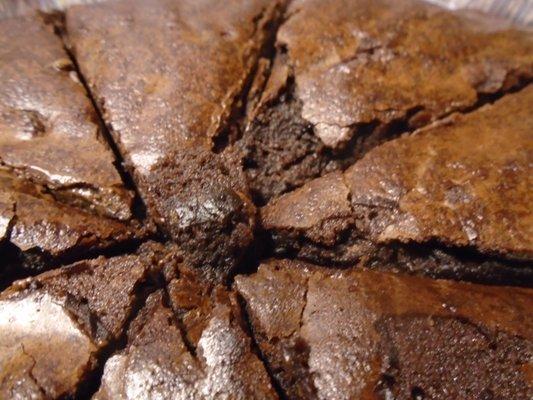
(265, 199)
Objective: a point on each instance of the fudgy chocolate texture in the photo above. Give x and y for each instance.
(203, 202)
(49, 130)
(60, 194)
(168, 75)
(360, 334)
(361, 61)
(160, 360)
(53, 326)
(280, 152)
(178, 81)
(348, 75)
(37, 231)
(488, 362)
(470, 173)
(462, 183)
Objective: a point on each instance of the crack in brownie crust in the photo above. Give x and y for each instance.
(348, 75)
(194, 348)
(362, 130)
(377, 60)
(38, 129)
(187, 64)
(332, 334)
(280, 152)
(38, 232)
(54, 326)
(461, 183)
(61, 197)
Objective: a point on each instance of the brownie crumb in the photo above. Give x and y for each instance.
(210, 216)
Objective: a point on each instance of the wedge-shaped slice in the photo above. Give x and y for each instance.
(54, 326)
(48, 128)
(60, 193)
(170, 356)
(358, 334)
(166, 73)
(349, 74)
(461, 184)
(38, 232)
(396, 58)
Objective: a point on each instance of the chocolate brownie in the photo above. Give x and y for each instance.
(60, 193)
(364, 334)
(50, 134)
(348, 75)
(37, 232)
(204, 205)
(381, 140)
(53, 327)
(168, 77)
(199, 351)
(460, 184)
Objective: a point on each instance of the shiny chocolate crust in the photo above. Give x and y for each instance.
(361, 61)
(461, 183)
(307, 171)
(61, 197)
(330, 334)
(167, 76)
(348, 75)
(54, 326)
(49, 129)
(199, 351)
(38, 232)
(186, 64)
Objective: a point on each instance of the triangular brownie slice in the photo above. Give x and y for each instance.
(370, 335)
(459, 187)
(60, 192)
(194, 348)
(53, 327)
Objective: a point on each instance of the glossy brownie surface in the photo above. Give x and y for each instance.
(61, 194)
(265, 199)
(160, 361)
(168, 76)
(358, 62)
(55, 325)
(461, 183)
(38, 232)
(362, 334)
(186, 62)
(50, 132)
(348, 75)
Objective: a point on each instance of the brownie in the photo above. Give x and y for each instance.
(203, 203)
(460, 184)
(260, 199)
(363, 334)
(54, 326)
(347, 75)
(53, 140)
(198, 351)
(38, 232)
(168, 77)
(61, 196)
